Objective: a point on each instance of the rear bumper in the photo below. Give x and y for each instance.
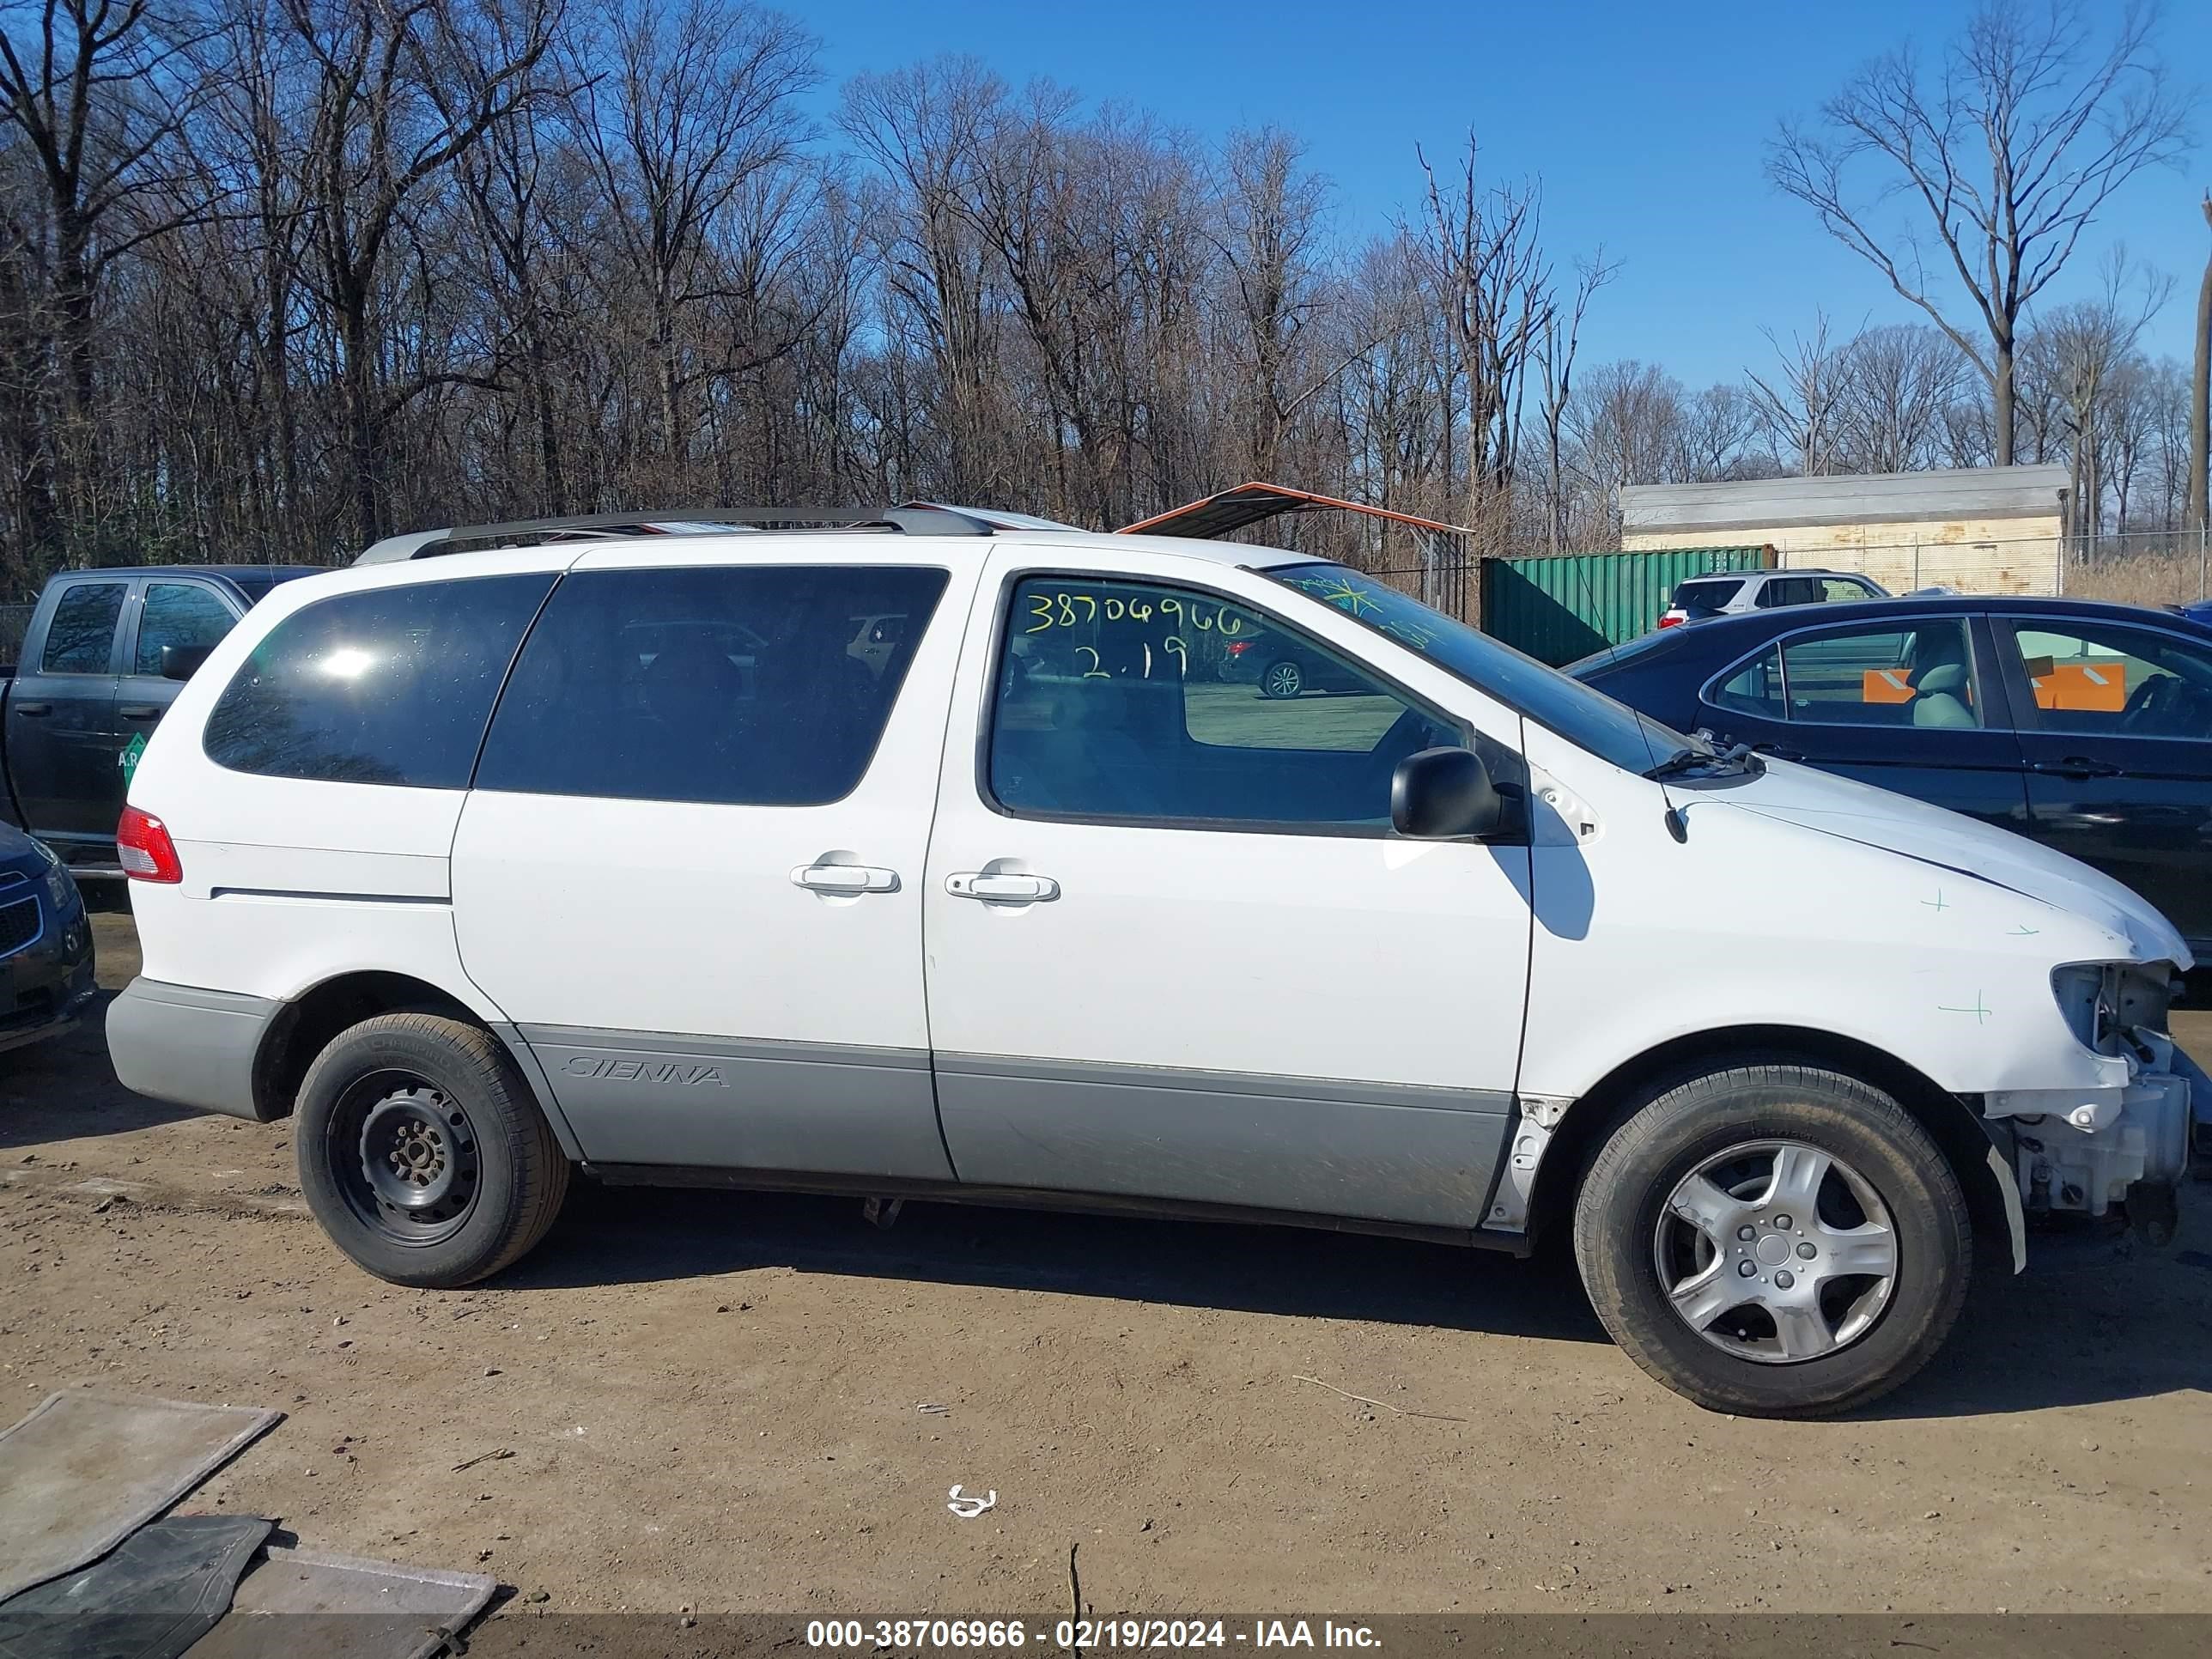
(194, 1046)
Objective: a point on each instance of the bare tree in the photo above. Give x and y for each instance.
(2091, 342)
(1898, 384)
(1486, 262)
(1799, 403)
(2008, 151)
(2200, 396)
(1555, 349)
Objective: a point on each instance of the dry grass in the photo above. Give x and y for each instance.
(2145, 578)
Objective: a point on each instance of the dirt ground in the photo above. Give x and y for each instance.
(712, 1403)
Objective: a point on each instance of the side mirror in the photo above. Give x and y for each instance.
(1444, 794)
(178, 661)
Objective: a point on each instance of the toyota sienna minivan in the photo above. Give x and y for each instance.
(488, 866)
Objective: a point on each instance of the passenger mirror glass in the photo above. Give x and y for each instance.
(1444, 794)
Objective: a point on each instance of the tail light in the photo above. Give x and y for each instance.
(143, 848)
(1671, 619)
(1238, 647)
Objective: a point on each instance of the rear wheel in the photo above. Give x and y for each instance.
(1283, 679)
(423, 1153)
(1777, 1240)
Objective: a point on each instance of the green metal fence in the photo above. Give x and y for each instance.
(1558, 609)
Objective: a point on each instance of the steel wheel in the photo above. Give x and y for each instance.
(404, 1157)
(1777, 1251)
(1283, 679)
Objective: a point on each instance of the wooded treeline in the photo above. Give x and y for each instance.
(278, 277)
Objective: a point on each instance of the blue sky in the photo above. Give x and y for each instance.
(1645, 121)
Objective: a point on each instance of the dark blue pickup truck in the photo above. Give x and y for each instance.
(102, 659)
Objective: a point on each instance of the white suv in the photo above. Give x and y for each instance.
(1732, 592)
(484, 866)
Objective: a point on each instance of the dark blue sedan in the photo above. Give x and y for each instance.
(2083, 724)
(45, 943)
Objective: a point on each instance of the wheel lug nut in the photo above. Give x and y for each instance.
(1806, 1251)
(1747, 1268)
(1783, 1222)
(1784, 1279)
(1747, 1232)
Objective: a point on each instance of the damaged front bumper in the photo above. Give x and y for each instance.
(2083, 1150)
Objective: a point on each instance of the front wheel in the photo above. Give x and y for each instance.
(423, 1153)
(1776, 1240)
(1282, 679)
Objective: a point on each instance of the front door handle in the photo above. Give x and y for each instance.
(845, 878)
(2075, 766)
(998, 889)
(34, 710)
(140, 711)
(1777, 751)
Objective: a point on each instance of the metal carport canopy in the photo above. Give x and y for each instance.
(1249, 503)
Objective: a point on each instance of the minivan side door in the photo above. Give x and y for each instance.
(690, 869)
(62, 742)
(2116, 725)
(1908, 702)
(1175, 948)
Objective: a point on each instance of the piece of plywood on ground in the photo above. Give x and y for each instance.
(337, 1607)
(150, 1597)
(87, 1468)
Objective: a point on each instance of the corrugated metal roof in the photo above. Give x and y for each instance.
(1981, 492)
(1249, 503)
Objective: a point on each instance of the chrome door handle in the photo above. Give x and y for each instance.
(845, 878)
(1001, 889)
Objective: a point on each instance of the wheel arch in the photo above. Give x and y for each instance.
(1950, 1120)
(311, 1020)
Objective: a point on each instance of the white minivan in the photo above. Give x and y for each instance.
(612, 854)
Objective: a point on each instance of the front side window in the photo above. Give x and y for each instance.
(1136, 701)
(391, 686)
(737, 685)
(182, 614)
(82, 636)
(1845, 590)
(2108, 679)
(1581, 713)
(1919, 674)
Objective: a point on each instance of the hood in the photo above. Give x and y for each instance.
(1851, 810)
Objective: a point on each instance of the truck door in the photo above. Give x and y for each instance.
(179, 611)
(62, 746)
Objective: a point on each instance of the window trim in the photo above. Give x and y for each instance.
(987, 718)
(115, 658)
(1779, 644)
(875, 749)
(2013, 662)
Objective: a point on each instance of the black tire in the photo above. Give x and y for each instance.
(1687, 1125)
(455, 1129)
(1282, 679)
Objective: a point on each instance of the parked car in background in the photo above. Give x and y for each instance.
(102, 659)
(2084, 725)
(943, 935)
(46, 945)
(1730, 593)
(1282, 665)
(2200, 611)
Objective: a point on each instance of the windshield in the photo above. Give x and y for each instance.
(1589, 718)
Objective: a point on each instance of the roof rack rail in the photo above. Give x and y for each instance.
(906, 521)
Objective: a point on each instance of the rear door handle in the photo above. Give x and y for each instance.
(2075, 766)
(995, 888)
(845, 878)
(140, 711)
(34, 710)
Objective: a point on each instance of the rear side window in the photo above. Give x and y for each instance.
(389, 686)
(182, 614)
(1706, 596)
(740, 685)
(82, 633)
